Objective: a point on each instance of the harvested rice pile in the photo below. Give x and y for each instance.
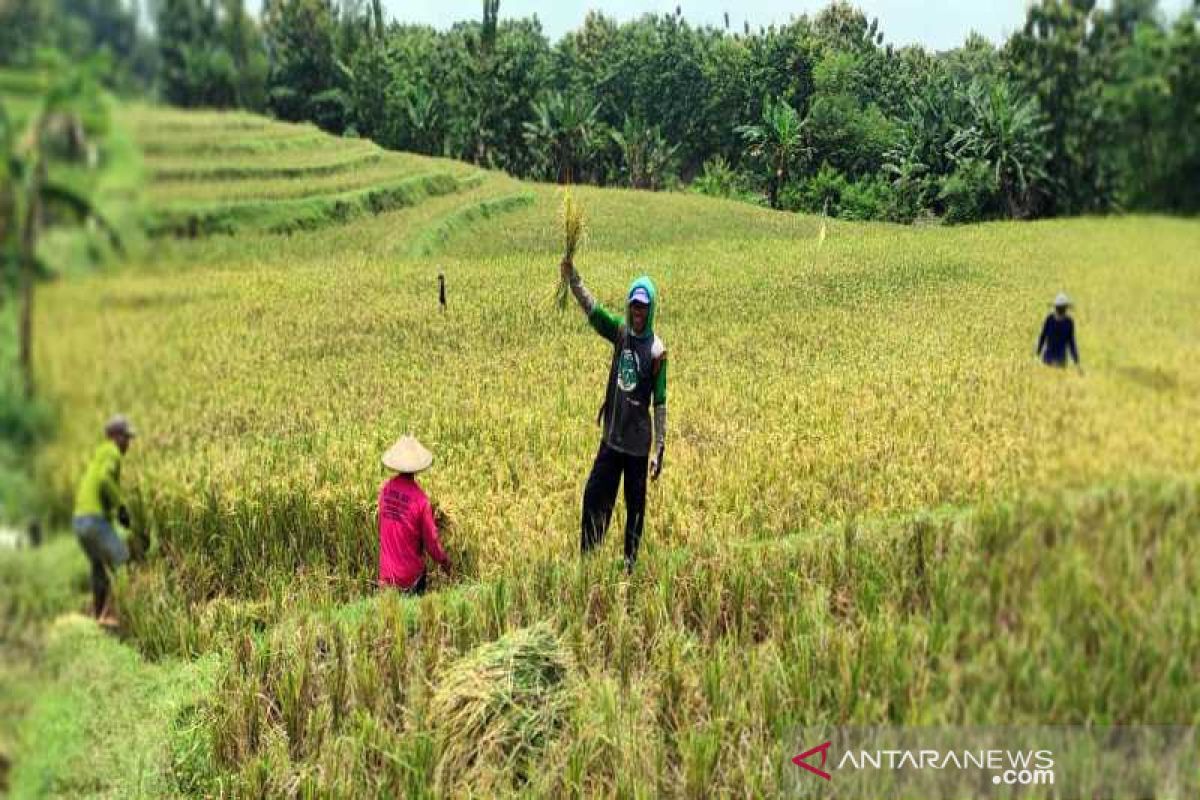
(498, 706)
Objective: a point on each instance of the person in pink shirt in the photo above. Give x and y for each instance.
(407, 530)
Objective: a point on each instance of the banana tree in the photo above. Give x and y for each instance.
(29, 193)
(562, 131)
(778, 143)
(1008, 133)
(646, 154)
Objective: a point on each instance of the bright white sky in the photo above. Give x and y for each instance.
(937, 24)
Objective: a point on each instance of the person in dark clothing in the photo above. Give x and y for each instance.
(635, 392)
(1058, 335)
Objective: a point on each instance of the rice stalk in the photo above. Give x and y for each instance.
(572, 219)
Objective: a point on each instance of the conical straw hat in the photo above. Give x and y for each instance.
(407, 455)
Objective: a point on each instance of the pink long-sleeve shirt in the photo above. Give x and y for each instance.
(406, 532)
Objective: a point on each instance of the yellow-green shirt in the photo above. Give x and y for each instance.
(100, 490)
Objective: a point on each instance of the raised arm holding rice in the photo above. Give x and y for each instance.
(635, 398)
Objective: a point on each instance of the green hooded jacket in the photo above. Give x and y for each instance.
(637, 376)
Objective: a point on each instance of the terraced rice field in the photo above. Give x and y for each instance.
(877, 507)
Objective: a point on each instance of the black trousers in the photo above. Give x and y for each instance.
(418, 588)
(600, 496)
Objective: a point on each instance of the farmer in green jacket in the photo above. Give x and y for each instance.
(637, 383)
(99, 508)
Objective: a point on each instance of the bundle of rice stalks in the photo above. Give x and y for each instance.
(442, 516)
(498, 706)
(572, 218)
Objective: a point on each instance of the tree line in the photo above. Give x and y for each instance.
(1083, 110)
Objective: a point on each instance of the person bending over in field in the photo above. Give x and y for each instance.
(637, 382)
(1058, 335)
(407, 530)
(100, 509)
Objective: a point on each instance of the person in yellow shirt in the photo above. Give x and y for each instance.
(99, 507)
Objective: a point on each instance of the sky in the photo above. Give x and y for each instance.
(937, 24)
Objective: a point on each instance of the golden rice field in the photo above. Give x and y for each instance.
(887, 371)
(876, 505)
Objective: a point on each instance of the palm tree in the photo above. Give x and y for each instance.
(1009, 135)
(481, 46)
(777, 141)
(27, 190)
(563, 129)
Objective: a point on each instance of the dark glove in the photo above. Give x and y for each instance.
(656, 464)
(123, 517)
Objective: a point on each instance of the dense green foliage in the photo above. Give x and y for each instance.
(1086, 108)
(80, 29)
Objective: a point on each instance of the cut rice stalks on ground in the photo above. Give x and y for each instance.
(498, 707)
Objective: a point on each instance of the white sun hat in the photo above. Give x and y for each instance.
(1061, 299)
(407, 455)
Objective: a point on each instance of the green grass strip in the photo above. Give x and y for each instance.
(309, 213)
(103, 721)
(433, 238)
(159, 147)
(246, 172)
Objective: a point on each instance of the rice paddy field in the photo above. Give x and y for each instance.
(876, 506)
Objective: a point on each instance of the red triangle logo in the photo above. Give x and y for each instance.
(802, 760)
